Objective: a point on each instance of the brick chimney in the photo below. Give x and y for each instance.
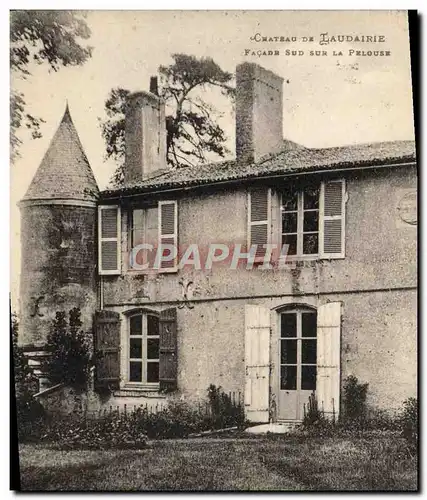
(145, 135)
(259, 111)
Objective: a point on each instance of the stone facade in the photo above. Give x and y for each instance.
(375, 281)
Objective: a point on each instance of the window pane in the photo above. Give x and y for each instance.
(310, 244)
(289, 199)
(311, 197)
(288, 352)
(137, 219)
(309, 324)
(152, 372)
(151, 215)
(291, 240)
(288, 325)
(308, 379)
(289, 222)
(135, 350)
(152, 348)
(288, 378)
(137, 237)
(135, 371)
(152, 325)
(309, 351)
(135, 325)
(311, 221)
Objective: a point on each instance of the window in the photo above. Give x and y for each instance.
(313, 219)
(300, 220)
(298, 350)
(143, 350)
(154, 226)
(144, 228)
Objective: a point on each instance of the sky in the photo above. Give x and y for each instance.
(329, 100)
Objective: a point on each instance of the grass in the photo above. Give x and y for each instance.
(286, 463)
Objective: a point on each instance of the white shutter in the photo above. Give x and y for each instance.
(168, 232)
(109, 239)
(259, 220)
(328, 358)
(257, 362)
(332, 219)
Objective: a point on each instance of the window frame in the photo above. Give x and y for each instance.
(130, 232)
(143, 384)
(320, 255)
(299, 338)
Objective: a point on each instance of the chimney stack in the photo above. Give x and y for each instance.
(259, 112)
(154, 85)
(145, 135)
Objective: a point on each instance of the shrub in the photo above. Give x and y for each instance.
(69, 348)
(29, 412)
(354, 402)
(225, 412)
(178, 419)
(409, 421)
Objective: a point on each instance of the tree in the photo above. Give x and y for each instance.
(192, 132)
(52, 37)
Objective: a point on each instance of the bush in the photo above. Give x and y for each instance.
(225, 412)
(29, 412)
(69, 348)
(409, 421)
(354, 402)
(131, 429)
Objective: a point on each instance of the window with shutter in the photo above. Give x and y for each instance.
(259, 220)
(143, 349)
(109, 239)
(168, 350)
(332, 241)
(313, 220)
(107, 348)
(168, 235)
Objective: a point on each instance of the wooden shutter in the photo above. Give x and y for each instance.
(168, 369)
(109, 239)
(259, 220)
(328, 358)
(332, 219)
(107, 348)
(257, 361)
(168, 231)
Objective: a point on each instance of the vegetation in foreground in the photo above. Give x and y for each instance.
(294, 462)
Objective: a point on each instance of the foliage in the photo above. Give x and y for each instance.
(192, 132)
(70, 351)
(52, 37)
(312, 414)
(408, 420)
(131, 429)
(225, 412)
(354, 401)
(29, 412)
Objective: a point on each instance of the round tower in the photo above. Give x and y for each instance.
(58, 234)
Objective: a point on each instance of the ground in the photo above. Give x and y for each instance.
(237, 463)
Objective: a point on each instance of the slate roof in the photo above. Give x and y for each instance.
(294, 158)
(64, 172)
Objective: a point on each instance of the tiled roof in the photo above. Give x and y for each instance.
(293, 159)
(64, 172)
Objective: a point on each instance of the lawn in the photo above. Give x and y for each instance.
(254, 463)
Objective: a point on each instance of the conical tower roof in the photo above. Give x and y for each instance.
(64, 173)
